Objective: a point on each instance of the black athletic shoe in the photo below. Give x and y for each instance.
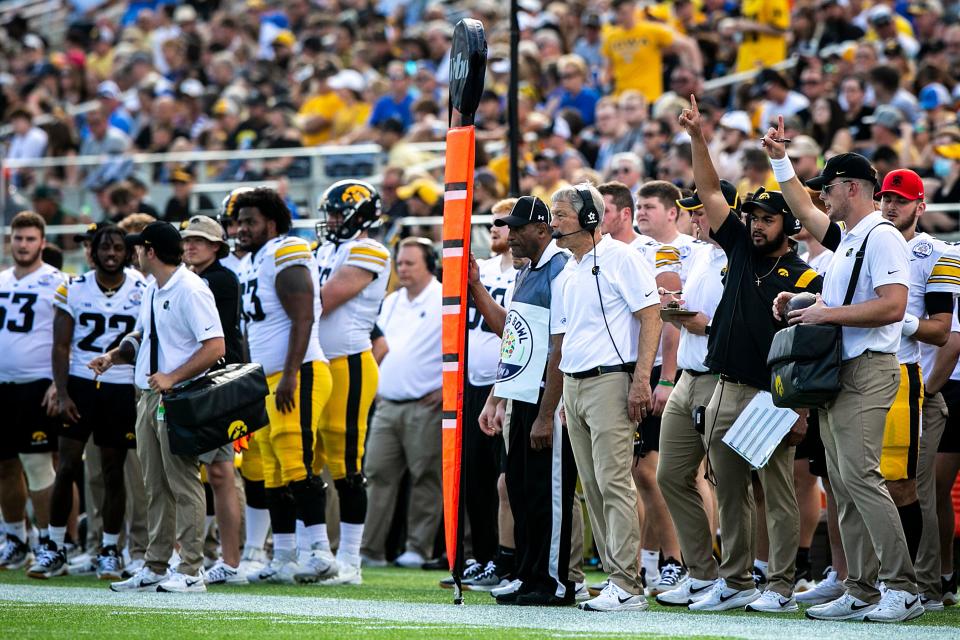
(759, 577)
(949, 590)
(545, 599)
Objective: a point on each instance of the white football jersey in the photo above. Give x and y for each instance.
(268, 325)
(346, 330)
(934, 268)
(232, 262)
(484, 345)
(100, 321)
(26, 323)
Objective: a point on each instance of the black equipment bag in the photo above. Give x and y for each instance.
(805, 360)
(216, 408)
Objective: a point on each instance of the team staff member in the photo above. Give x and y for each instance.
(281, 304)
(204, 245)
(682, 443)
(760, 266)
(183, 339)
(354, 270)
(908, 457)
(405, 432)
(540, 469)
(852, 424)
(26, 338)
(608, 286)
(94, 311)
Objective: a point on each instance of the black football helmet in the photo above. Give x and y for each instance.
(227, 209)
(347, 208)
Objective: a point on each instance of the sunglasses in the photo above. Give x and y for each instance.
(826, 188)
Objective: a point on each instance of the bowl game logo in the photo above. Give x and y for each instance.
(516, 347)
(923, 249)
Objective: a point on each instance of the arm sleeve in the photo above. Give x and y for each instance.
(369, 257)
(664, 35)
(833, 237)
(292, 252)
(202, 317)
(558, 317)
(945, 275)
(886, 258)
(667, 260)
(938, 302)
(60, 298)
(635, 282)
(731, 234)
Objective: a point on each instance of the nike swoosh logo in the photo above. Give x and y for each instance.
(622, 600)
(208, 328)
(699, 589)
(910, 604)
(858, 607)
(894, 271)
(649, 293)
(724, 598)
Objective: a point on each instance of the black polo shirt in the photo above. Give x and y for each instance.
(226, 293)
(743, 326)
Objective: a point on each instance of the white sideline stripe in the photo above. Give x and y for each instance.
(752, 626)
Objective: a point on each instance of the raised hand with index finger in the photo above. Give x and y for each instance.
(774, 143)
(690, 118)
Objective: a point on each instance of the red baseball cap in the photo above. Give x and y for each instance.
(904, 183)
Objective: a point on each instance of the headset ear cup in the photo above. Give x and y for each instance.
(588, 217)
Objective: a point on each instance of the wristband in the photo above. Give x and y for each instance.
(911, 324)
(664, 383)
(782, 169)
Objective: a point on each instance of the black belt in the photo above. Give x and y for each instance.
(695, 374)
(599, 371)
(404, 401)
(727, 378)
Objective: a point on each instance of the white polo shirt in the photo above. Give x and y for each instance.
(701, 293)
(186, 316)
(413, 367)
(626, 285)
(885, 262)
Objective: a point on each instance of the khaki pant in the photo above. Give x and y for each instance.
(682, 450)
(852, 426)
(735, 498)
(934, 420)
(601, 436)
(176, 504)
(403, 436)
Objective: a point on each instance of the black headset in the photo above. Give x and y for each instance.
(429, 253)
(588, 217)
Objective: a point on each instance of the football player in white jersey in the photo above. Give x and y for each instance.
(671, 256)
(26, 338)
(281, 302)
(93, 314)
(354, 270)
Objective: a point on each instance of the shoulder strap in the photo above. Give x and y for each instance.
(858, 264)
(154, 343)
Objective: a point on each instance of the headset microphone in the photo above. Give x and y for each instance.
(556, 235)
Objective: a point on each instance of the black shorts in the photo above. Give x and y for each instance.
(811, 447)
(108, 411)
(25, 426)
(649, 430)
(950, 441)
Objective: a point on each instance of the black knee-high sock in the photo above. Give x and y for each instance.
(911, 519)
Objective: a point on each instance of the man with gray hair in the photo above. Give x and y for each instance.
(627, 167)
(606, 386)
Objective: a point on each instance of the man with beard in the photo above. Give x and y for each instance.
(540, 469)
(852, 424)
(26, 338)
(94, 312)
(281, 304)
(760, 266)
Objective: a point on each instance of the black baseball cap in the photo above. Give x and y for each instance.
(729, 194)
(162, 236)
(528, 209)
(845, 165)
(92, 229)
(773, 202)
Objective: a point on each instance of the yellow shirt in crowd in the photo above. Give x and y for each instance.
(349, 119)
(761, 49)
(635, 57)
(325, 105)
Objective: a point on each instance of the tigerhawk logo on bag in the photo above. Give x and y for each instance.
(778, 385)
(237, 429)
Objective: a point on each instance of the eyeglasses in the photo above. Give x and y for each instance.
(650, 134)
(622, 170)
(826, 188)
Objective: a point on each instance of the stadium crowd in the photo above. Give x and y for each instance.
(726, 206)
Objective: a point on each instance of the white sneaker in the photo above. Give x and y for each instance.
(319, 565)
(827, 590)
(133, 566)
(896, 606)
(721, 598)
(671, 574)
(252, 562)
(143, 580)
(512, 587)
(803, 585)
(613, 598)
(410, 560)
(281, 570)
(580, 593)
(222, 573)
(373, 563)
(930, 604)
(689, 590)
(347, 573)
(846, 607)
(772, 602)
(180, 583)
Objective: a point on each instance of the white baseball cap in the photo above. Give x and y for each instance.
(737, 120)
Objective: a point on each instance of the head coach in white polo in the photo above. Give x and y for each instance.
(852, 425)
(611, 328)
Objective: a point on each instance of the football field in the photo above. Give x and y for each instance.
(392, 603)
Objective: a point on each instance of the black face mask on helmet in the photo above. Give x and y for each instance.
(355, 203)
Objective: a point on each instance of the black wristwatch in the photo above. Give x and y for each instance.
(706, 330)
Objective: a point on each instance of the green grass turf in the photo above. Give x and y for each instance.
(389, 584)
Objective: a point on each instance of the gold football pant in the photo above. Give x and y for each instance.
(901, 434)
(286, 445)
(343, 424)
